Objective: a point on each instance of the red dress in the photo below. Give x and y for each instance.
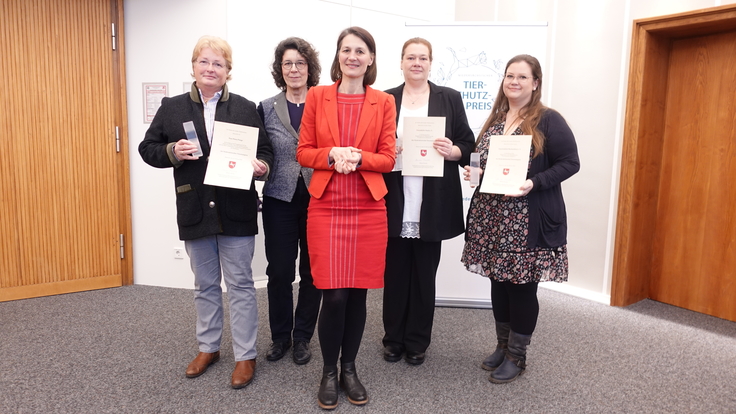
(347, 229)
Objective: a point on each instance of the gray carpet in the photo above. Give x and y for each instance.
(124, 350)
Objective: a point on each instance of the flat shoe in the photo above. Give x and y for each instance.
(277, 350)
(301, 353)
(392, 353)
(201, 362)
(414, 357)
(243, 373)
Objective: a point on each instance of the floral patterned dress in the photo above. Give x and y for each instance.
(496, 235)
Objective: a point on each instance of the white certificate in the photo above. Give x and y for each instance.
(233, 149)
(419, 158)
(508, 161)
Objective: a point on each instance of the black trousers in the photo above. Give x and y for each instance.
(285, 233)
(409, 292)
(516, 304)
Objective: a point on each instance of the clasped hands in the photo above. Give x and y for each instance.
(345, 159)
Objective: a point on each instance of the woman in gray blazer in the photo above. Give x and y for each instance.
(285, 199)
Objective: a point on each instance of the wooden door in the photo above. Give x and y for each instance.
(694, 256)
(676, 229)
(64, 192)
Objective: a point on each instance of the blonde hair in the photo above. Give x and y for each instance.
(417, 41)
(219, 46)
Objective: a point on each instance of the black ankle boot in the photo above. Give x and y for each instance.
(515, 362)
(496, 358)
(351, 384)
(328, 388)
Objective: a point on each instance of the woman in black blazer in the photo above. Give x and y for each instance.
(422, 211)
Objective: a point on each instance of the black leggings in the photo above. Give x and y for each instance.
(341, 324)
(516, 304)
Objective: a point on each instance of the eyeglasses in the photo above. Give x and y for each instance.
(204, 63)
(520, 78)
(300, 64)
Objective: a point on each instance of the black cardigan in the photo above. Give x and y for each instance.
(558, 162)
(204, 210)
(441, 215)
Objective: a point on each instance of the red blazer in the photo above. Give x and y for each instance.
(376, 137)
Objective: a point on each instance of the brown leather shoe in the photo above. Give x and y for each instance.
(200, 364)
(243, 373)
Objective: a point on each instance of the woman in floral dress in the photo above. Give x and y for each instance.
(518, 240)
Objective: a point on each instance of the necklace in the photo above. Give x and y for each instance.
(510, 128)
(414, 98)
(294, 98)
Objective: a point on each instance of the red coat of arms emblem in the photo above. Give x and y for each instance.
(423, 152)
(231, 164)
(505, 171)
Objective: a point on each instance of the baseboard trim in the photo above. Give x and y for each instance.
(463, 303)
(576, 291)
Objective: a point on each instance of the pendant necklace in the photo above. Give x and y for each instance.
(417, 98)
(512, 126)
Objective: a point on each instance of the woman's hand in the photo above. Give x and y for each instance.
(346, 159)
(466, 174)
(259, 168)
(183, 150)
(525, 189)
(445, 147)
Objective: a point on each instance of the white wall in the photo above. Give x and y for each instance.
(159, 37)
(585, 75)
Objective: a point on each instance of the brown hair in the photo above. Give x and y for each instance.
(531, 112)
(305, 49)
(420, 41)
(219, 46)
(372, 71)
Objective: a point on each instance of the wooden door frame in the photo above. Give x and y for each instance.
(123, 161)
(641, 160)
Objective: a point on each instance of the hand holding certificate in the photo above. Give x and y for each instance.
(233, 150)
(419, 158)
(508, 161)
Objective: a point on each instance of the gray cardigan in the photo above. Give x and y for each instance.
(283, 178)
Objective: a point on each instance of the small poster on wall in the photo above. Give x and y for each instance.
(153, 93)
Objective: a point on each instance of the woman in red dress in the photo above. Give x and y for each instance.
(348, 137)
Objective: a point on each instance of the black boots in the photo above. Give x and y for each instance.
(328, 388)
(351, 384)
(496, 358)
(514, 363)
